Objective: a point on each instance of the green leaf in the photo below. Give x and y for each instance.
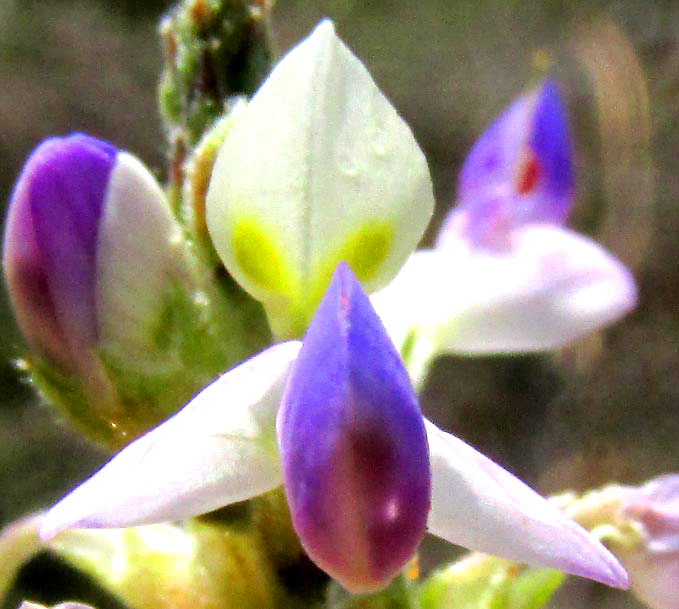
(533, 589)
(478, 582)
(400, 594)
(485, 582)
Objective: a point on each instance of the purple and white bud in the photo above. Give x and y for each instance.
(92, 259)
(353, 444)
(519, 172)
(90, 243)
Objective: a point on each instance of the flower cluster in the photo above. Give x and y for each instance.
(318, 193)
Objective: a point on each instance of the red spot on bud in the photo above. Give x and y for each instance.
(529, 176)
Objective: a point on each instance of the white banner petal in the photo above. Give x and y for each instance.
(319, 169)
(221, 448)
(479, 505)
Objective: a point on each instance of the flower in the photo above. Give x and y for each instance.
(353, 444)
(505, 275)
(653, 562)
(319, 170)
(356, 455)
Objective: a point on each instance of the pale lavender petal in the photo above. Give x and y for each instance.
(353, 444)
(221, 448)
(550, 288)
(479, 505)
(51, 239)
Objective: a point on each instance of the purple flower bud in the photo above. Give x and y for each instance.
(519, 172)
(653, 565)
(51, 244)
(353, 444)
(93, 257)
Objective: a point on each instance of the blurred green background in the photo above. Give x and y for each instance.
(602, 409)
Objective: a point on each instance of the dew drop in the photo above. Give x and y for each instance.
(348, 165)
(379, 142)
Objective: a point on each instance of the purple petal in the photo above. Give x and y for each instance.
(519, 172)
(552, 146)
(353, 444)
(51, 241)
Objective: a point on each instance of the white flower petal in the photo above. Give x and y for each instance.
(319, 169)
(140, 256)
(221, 448)
(551, 287)
(420, 298)
(479, 505)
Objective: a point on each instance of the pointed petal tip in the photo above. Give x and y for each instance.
(325, 27)
(549, 89)
(74, 511)
(55, 522)
(218, 450)
(590, 558)
(344, 275)
(520, 170)
(481, 506)
(596, 563)
(613, 575)
(374, 218)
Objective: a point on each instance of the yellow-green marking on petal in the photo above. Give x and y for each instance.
(259, 256)
(364, 252)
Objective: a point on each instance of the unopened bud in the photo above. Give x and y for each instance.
(353, 445)
(121, 326)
